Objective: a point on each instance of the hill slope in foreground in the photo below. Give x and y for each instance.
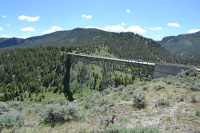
(162, 105)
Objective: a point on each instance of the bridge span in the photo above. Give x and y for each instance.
(72, 55)
(159, 70)
(144, 70)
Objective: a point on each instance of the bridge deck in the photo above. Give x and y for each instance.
(114, 59)
(182, 66)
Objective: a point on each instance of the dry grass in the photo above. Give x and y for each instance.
(179, 116)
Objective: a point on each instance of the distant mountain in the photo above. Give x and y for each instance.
(123, 45)
(186, 45)
(7, 42)
(70, 37)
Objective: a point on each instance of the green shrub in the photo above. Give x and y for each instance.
(104, 101)
(193, 98)
(115, 90)
(191, 72)
(95, 110)
(107, 91)
(144, 88)
(169, 81)
(169, 77)
(197, 113)
(129, 91)
(87, 105)
(60, 101)
(180, 75)
(139, 100)
(159, 87)
(126, 96)
(37, 108)
(177, 83)
(141, 83)
(162, 102)
(98, 109)
(103, 93)
(57, 113)
(181, 98)
(155, 80)
(192, 87)
(11, 120)
(104, 108)
(113, 128)
(121, 87)
(139, 129)
(17, 105)
(132, 87)
(3, 108)
(169, 96)
(104, 120)
(195, 88)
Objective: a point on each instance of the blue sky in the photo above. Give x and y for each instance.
(150, 18)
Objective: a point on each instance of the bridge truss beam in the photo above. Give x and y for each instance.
(142, 70)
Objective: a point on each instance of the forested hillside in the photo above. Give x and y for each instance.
(41, 68)
(29, 73)
(133, 46)
(30, 70)
(186, 45)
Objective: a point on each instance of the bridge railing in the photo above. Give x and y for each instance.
(115, 59)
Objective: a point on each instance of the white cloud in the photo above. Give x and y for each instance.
(28, 29)
(1, 28)
(86, 16)
(3, 16)
(52, 29)
(93, 27)
(7, 24)
(119, 28)
(30, 19)
(135, 29)
(48, 31)
(128, 10)
(114, 28)
(173, 24)
(156, 28)
(56, 28)
(193, 31)
(24, 37)
(123, 24)
(5, 36)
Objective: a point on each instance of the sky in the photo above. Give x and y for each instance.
(153, 19)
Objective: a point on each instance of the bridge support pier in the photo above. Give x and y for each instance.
(163, 70)
(66, 81)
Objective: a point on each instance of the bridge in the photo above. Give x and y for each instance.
(143, 70)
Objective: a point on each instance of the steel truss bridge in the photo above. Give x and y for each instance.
(143, 70)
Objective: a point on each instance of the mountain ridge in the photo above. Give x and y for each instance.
(185, 45)
(122, 45)
(70, 36)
